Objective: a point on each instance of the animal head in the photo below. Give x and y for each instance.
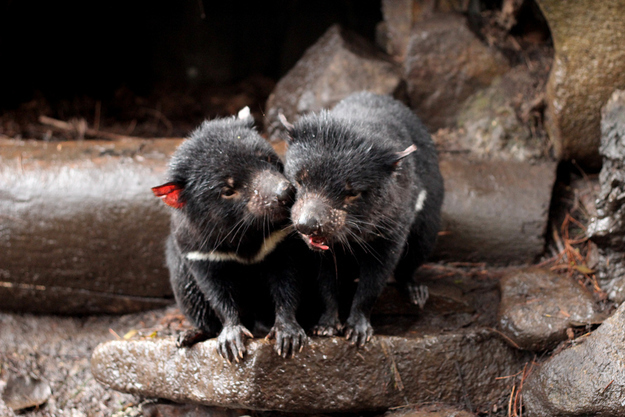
(342, 181)
(227, 179)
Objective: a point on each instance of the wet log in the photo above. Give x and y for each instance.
(494, 211)
(81, 232)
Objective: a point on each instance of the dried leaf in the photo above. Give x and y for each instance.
(130, 334)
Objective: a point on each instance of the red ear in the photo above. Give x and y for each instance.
(170, 193)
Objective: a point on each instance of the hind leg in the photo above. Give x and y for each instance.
(190, 300)
(418, 247)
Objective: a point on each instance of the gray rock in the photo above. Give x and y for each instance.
(339, 63)
(329, 375)
(80, 231)
(23, 392)
(399, 16)
(158, 409)
(586, 379)
(393, 32)
(489, 124)
(607, 229)
(494, 211)
(436, 410)
(538, 306)
(444, 65)
(589, 64)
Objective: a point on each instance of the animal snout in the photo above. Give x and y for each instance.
(284, 192)
(309, 219)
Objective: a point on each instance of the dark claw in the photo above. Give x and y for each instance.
(327, 327)
(290, 338)
(358, 331)
(231, 342)
(419, 294)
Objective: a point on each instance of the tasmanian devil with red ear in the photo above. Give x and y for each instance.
(369, 194)
(230, 236)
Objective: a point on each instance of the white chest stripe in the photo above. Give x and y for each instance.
(267, 247)
(420, 200)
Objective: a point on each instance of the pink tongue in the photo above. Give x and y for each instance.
(317, 245)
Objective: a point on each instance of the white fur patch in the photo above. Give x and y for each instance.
(244, 113)
(420, 200)
(268, 246)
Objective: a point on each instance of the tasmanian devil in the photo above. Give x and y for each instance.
(369, 194)
(229, 236)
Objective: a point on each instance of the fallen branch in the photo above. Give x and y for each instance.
(85, 130)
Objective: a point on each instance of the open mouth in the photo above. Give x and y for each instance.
(317, 242)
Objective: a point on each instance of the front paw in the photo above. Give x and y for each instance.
(358, 330)
(231, 342)
(190, 337)
(327, 326)
(290, 338)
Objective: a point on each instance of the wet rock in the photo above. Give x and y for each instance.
(538, 306)
(494, 211)
(329, 375)
(80, 231)
(586, 379)
(445, 64)
(339, 63)
(23, 392)
(607, 229)
(588, 66)
(160, 409)
(437, 410)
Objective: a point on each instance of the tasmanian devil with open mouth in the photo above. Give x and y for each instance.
(369, 194)
(229, 236)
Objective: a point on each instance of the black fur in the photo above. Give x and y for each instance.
(358, 180)
(232, 197)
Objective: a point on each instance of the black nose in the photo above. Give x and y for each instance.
(310, 217)
(285, 192)
(308, 225)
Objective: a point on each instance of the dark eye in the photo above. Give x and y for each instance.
(351, 195)
(228, 192)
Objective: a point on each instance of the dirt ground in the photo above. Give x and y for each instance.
(57, 350)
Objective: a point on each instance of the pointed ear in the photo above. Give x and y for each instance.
(399, 156)
(170, 193)
(245, 115)
(288, 126)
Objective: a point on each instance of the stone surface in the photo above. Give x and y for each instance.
(399, 16)
(490, 123)
(80, 231)
(329, 375)
(607, 229)
(437, 410)
(160, 409)
(587, 379)
(57, 350)
(538, 306)
(589, 65)
(23, 392)
(494, 211)
(444, 65)
(339, 64)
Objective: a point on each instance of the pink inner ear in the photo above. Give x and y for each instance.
(170, 193)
